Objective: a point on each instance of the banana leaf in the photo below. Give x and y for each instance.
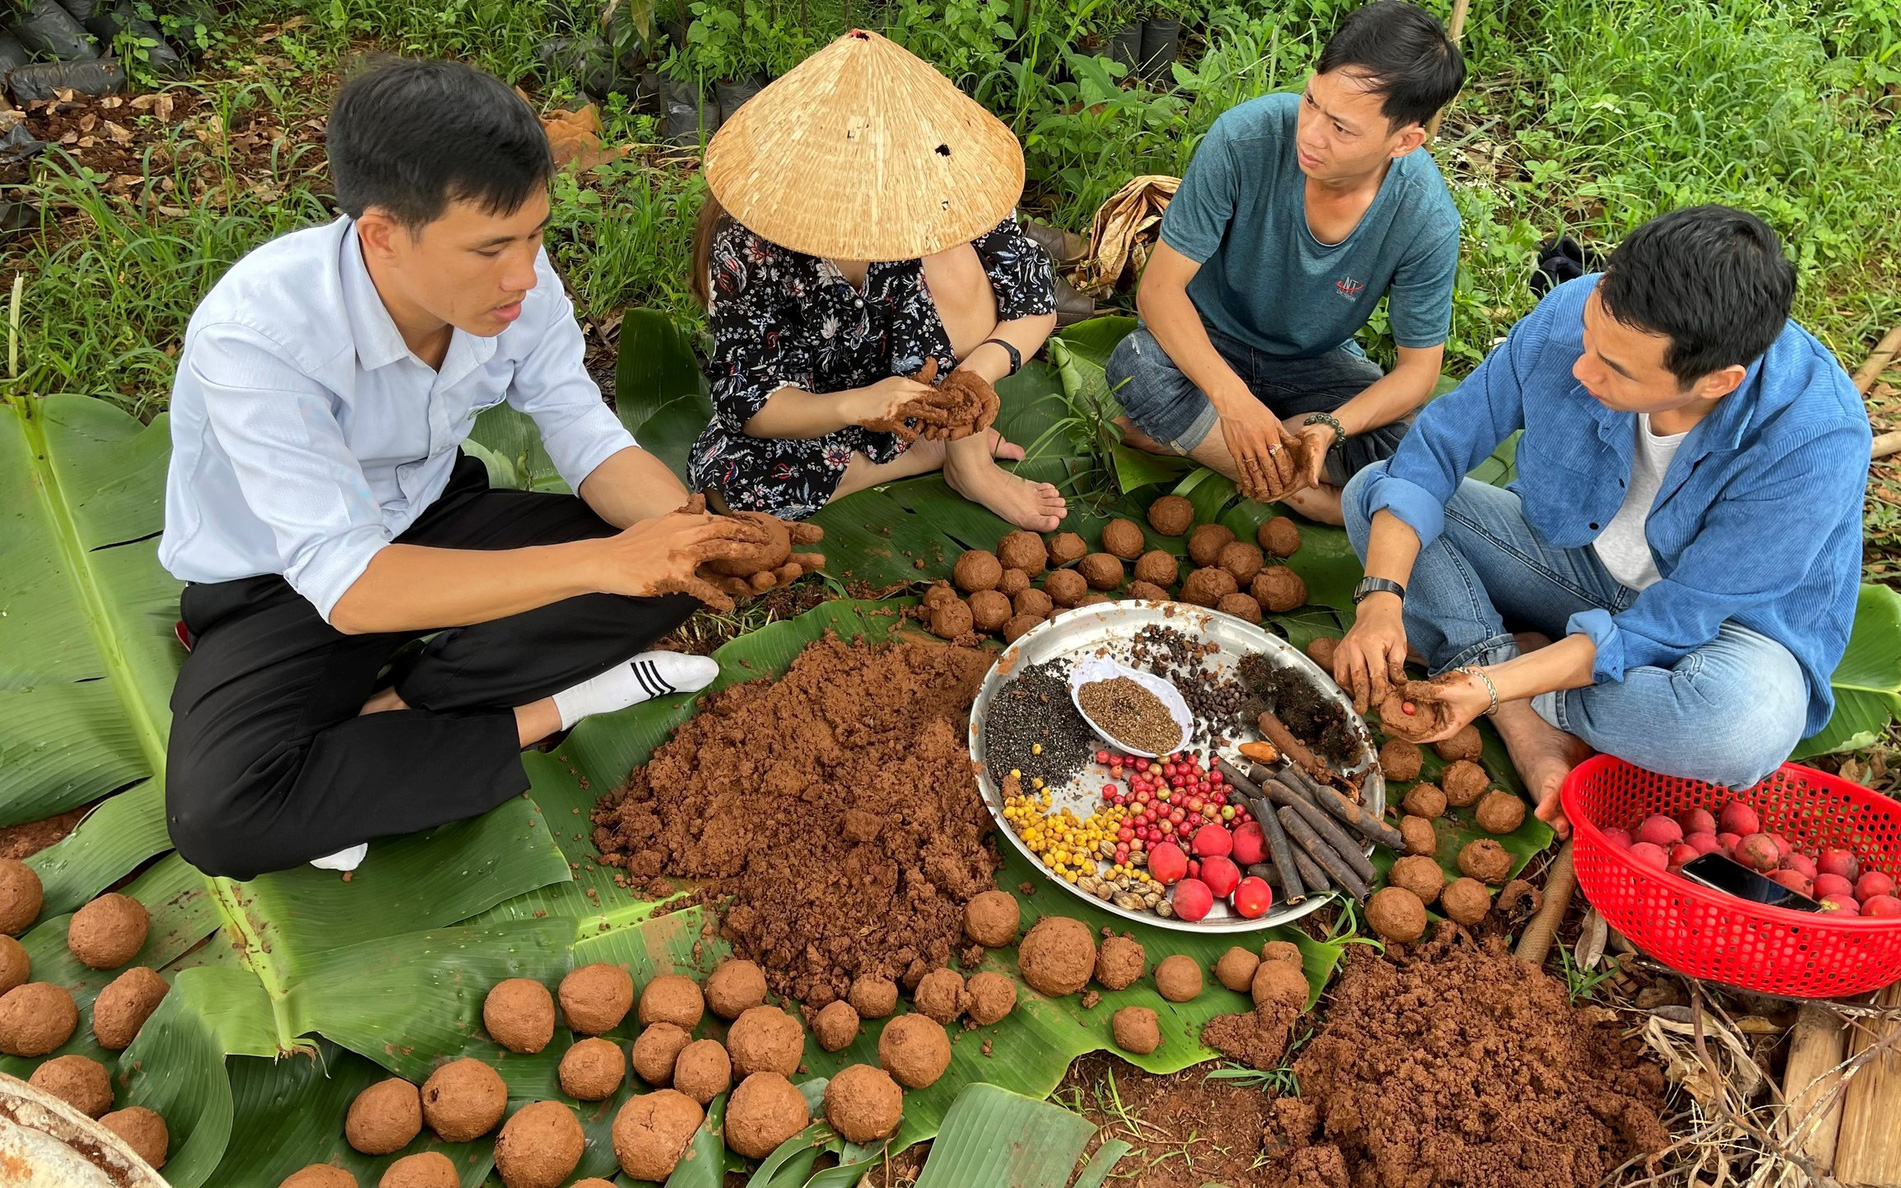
(993, 1136)
(1867, 682)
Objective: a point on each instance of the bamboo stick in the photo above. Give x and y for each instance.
(1817, 1048)
(1534, 944)
(1878, 361)
(1869, 1150)
(1886, 444)
(1311, 874)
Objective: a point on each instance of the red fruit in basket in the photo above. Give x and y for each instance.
(1739, 819)
(1253, 897)
(1250, 846)
(1726, 842)
(1702, 843)
(1682, 852)
(1794, 880)
(1696, 821)
(1659, 831)
(1650, 855)
(1617, 837)
(1832, 884)
(1839, 862)
(1221, 875)
(1783, 848)
(1191, 900)
(1758, 852)
(1167, 863)
(1213, 841)
(1881, 907)
(1801, 863)
(1872, 884)
(1844, 904)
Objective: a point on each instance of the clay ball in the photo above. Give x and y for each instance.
(1159, 568)
(384, 1118)
(1101, 571)
(1094, 597)
(539, 1147)
(1012, 583)
(1400, 760)
(109, 931)
(1057, 957)
(989, 610)
(1206, 542)
(1280, 950)
(1499, 812)
(836, 1026)
(81, 1082)
(463, 1100)
(124, 1005)
(915, 1050)
(1424, 800)
(143, 1131)
(874, 996)
(1486, 861)
(863, 1104)
(763, 1112)
(735, 988)
(427, 1169)
(1206, 587)
(519, 1015)
(941, 995)
(1148, 592)
(1279, 589)
(672, 999)
(1066, 587)
(1465, 901)
(1241, 606)
(1124, 539)
(1136, 1030)
(319, 1175)
(592, 1070)
(36, 1018)
(1037, 604)
(1171, 515)
(992, 997)
(1120, 962)
(652, 1131)
(704, 1070)
(1279, 982)
(1419, 835)
(592, 1182)
(977, 570)
(1020, 626)
(953, 620)
(1320, 650)
(765, 1039)
(1421, 875)
(1024, 551)
(939, 594)
(1235, 969)
(990, 919)
(595, 998)
(1396, 915)
(1178, 978)
(21, 896)
(1466, 744)
(1519, 901)
(1240, 559)
(1066, 548)
(1464, 782)
(1279, 537)
(15, 966)
(655, 1050)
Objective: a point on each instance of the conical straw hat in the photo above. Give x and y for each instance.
(865, 152)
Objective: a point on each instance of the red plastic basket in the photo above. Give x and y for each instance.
(1708, 934)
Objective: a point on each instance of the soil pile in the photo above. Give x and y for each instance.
(1456, 1064)
(834, 810)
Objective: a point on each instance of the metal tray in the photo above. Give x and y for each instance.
(1109, 628)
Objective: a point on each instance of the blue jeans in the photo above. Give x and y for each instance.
(1728, 713)
(1166, 404)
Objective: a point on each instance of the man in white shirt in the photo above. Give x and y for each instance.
(321, 511)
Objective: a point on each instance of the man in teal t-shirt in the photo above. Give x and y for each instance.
(1297, 214)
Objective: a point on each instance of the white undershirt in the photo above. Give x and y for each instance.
(1622, 546)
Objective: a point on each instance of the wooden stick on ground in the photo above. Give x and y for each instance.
(1886, 444)
(1869, 1151)
(1878, 361)
(1813, 1119)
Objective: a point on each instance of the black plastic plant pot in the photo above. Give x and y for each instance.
(1125, 46)
(1161, 44)
(12, 53)
(47, 30)
(689, 120)
(39, 80)
(732, 93)
(107, 23)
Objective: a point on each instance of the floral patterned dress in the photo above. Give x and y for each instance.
(783, 319)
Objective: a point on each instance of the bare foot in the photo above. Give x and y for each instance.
(1038, 507)
(383, 702)
(1543, 755)
(1002, 450)
(1320, 504)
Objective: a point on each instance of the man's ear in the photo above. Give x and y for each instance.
(1721, 382)
(377, 230)
(1409, 139)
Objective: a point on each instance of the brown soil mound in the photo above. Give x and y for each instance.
(15, 965)
(847, 830)
(109, 931)
(763, 1112)
(863, 1103)
(21, 896)
(655, 1050)
(703, 1071)
(652, 1130)
(836, 1026)
(1457, 1064)
(463, 1100)
(143, 1130)
(735, 988)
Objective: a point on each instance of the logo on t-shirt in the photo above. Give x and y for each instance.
(1348, 287)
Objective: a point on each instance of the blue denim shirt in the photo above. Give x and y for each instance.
(1758, 519)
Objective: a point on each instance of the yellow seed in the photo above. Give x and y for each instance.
(1036, 748)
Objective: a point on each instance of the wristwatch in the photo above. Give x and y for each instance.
(1332, 422)
(1375, 585)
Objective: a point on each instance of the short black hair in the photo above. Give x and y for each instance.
(1406, 55)
(1710, 278)
(412, 136)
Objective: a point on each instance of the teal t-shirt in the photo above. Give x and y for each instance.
(1241, 213)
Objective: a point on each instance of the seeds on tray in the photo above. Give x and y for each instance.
(1034, 729)
(1131, 715)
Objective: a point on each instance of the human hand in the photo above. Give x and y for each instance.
(771, 564)
(1315, 442)
(664, 555)
(1370, 660)
(880, 407)
(1267, 466)
(1430, 711)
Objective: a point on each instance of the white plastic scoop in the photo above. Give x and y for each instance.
(1095, 668)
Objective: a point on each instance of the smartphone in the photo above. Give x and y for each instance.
(1733, 878)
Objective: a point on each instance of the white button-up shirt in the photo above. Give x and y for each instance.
(305, 434)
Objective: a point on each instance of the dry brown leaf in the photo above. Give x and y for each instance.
(118, 135)
(89, 121)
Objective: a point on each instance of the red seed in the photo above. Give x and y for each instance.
(1408, 707)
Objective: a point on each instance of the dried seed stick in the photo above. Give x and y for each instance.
(1283, 738)
(1310, 873)
(1324, 826)
(1293, 888)
(1330, 860)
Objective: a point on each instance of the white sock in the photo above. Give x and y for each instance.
(343, 860)
(645, 677)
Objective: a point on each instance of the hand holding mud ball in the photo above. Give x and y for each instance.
(663, 556)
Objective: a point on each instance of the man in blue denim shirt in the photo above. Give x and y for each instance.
(1686, 523)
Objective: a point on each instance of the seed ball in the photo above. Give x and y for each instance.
(1421, 875)
(1206, 542)
(977, 570)
(1066, 587)
(652, 1131)
(1424, 800)
(1012, 583)
(426, 1169)
(1464, 782)
(836, 1026)
(1057, 957)
(942, 996)
(36, 1018)
(1101, 571)
(655, 1051)
(1419, 835)
(1241, 606)
(1158, 568)
(109, 931)
(384, 1118)
(1093, 597)
(1519, 901)
(704, 1070)
(1279, 589)
(915, 1050)
(592, 1070)
(1136, 1030)
(1020, 626)
(143, 1131)
(990, 919)
(539, 1147)
(1499, 812)
(463, 1100)
(124, 1006)
(863, 1104)
(1024, 551)
(1207, 587)
(1279, 981)
(595, 998)
(875, 996)
(672, 999)
(1320, 650)
(766, 1110)
(1034, 603)
(15, 966)
(1486, 861)
(1400, 760)
(1281, 950)
(939, 594)
(1397, 915)
(519, 1015)
(735, 988)
(992, 997)
(953, 620)
(1171, 515)
(1235, 969)
(1241, 559)
(319, 1175)
(21, 896)
(1279, 537)
(1148, 592)
(1178, 978)
(1466, 744)
(1066, 548)
(765, 1039)
(84, 1084)
(1465, 901)
(593, 1182)
(989, 610)
(1124, 539)
(1120, 962)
